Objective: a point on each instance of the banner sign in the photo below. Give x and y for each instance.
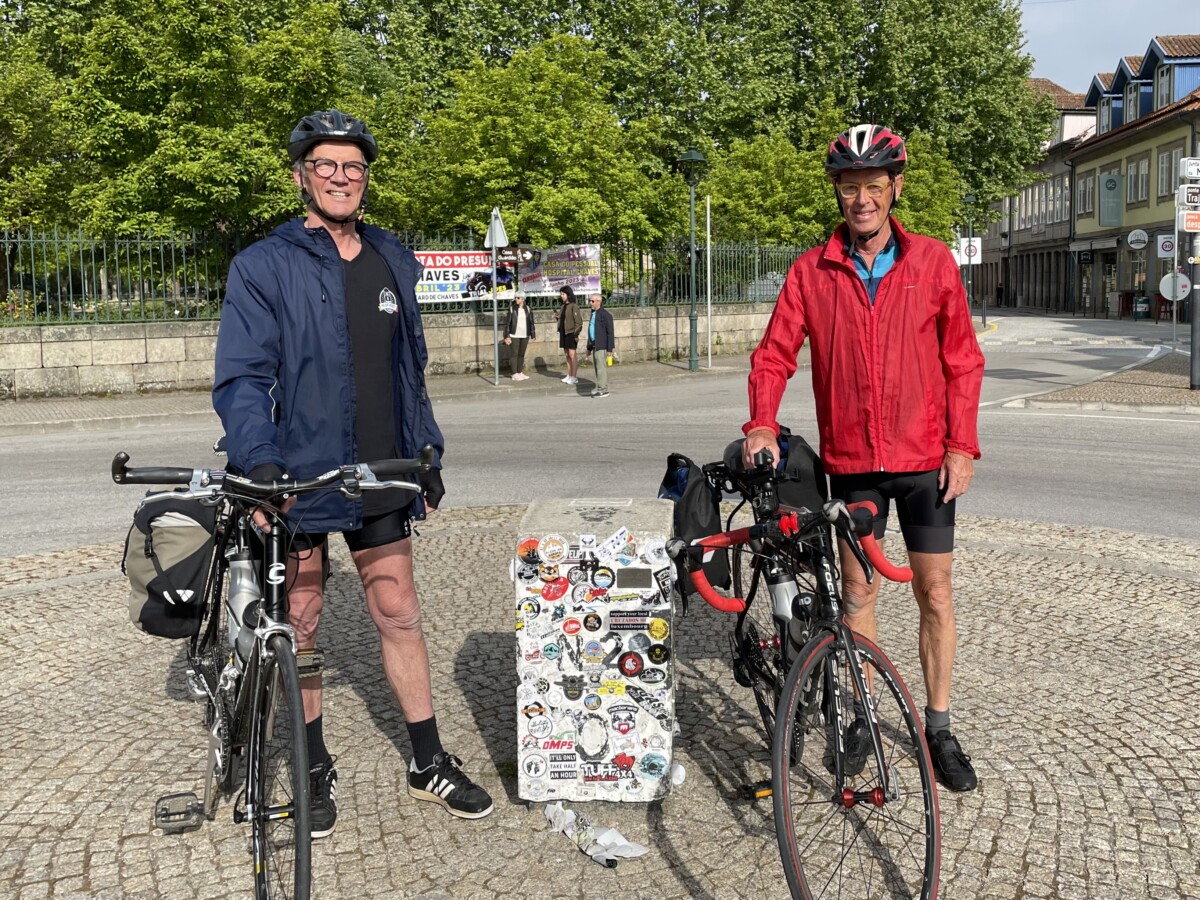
(577, 265)
(1112, 202)
(452, 275)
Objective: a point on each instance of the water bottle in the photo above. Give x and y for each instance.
(784, 592)
(242, 602)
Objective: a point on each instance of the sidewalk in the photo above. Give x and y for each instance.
(1159, 385)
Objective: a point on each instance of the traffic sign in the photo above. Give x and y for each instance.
(970, 252)
(1174, 287)
(1137, 239)
(1188, 195)
(1166, 246)
(1189, 167)
(1189, 221)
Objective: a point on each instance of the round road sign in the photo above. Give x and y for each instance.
(1137, 239)
(1174, 287)
(971, 250)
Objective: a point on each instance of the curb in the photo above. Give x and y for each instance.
(63, 426)
(1103, 405)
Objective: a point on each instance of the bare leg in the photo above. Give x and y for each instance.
(938, 632)
(305, 601)
(387, 576)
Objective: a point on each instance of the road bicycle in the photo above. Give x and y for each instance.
(243, 663)
(852, 785)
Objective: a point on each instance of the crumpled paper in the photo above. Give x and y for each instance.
(603, 845)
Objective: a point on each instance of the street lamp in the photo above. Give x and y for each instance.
(691, 163)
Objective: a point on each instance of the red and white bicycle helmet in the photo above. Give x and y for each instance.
(867, 147)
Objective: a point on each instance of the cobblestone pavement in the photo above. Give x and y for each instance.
(1072, 695)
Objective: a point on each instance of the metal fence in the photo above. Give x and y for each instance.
(62, 277)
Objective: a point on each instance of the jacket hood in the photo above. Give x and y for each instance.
(318, 242)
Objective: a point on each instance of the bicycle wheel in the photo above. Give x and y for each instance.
(277, 780)
(757, 655)
(859, 835)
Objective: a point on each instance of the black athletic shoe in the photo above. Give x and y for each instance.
(445, 782)
(322, 789)
(950, 764)
(857, 743)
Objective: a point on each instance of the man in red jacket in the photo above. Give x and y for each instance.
(896, 371)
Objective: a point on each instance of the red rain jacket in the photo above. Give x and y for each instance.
(896, 384)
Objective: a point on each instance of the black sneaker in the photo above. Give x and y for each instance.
(322, 789)
(857, 741)
(950, 764)
(445, 782)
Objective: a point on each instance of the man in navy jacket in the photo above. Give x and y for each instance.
(601, 343)
(320, 362)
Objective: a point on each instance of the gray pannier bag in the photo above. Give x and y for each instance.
(168, 555)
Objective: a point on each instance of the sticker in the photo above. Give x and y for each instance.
(530, 608)
(548, 571)
(576, 575)
(624, 762)
(593, 622)
(659, 629)
(552, 652)
(572, 686)
(535, 765)
(658, 653)
(542, 685)
(534, 709)
(663, 577)
(552, 590)
(540, 727)
(604, 577)
(631, 665)
(527, 550)
(638, 642)
(587, 542)
(654, 676)
(552, 548)
(579, 594)
(649, 703)
(555, 698)
(591, 702)
(624, 717)
(536, 791)
(571, 626)
(614, 544)
(654, 766)
(629, 620)
(527, 573)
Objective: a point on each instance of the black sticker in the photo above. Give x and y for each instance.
(658, 654)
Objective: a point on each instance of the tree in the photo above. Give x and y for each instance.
(537, 138)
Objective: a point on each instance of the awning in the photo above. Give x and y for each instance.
(1098, 244)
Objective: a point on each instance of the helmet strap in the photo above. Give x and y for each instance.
(311, 202)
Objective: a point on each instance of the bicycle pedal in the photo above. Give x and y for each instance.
(310, 662)
(756, 790)
(178, 812)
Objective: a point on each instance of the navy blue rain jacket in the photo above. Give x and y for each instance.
(284, 383)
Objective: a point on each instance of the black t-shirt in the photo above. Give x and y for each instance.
(372, 308)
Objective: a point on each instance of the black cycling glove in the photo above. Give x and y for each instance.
(432, 488)
(267, 472)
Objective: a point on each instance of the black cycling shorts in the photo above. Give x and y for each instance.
(926, 520)
(376, 531)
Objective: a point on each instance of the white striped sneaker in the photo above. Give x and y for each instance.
(445, 782)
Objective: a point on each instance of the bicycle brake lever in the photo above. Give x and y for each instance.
(838, 515)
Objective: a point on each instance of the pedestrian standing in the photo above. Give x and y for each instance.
(570, 323)
(519, 330)
(320, 361)
(897, 372)
(601, 343)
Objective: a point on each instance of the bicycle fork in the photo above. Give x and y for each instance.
(886, 789)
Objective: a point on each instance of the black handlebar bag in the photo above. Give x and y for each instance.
(168, 555)
(803, 485)
(697, 514)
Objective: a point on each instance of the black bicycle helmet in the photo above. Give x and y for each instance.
(867, 147)
(331, 125)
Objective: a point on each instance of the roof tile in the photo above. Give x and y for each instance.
(1179, 45)
(1063, 99)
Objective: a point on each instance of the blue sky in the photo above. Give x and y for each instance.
(1072, 40)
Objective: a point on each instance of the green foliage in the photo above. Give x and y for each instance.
(127, 115)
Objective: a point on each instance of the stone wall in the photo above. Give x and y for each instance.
(77, 360)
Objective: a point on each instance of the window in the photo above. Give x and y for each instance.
(1066, 198)
(1176, 158)
(1105, 115)
(1162, 87)
(1137, 179)
(1164, 173)
(1085, 186)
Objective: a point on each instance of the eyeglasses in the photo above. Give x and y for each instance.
(327, 168)
(874, 189)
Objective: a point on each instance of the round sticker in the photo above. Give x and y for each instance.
(540, 726)
(571, 626)
(527, 550)
(658, 629)
(658, 654)
(531, 608)
(630, 664)
(593, 622)
(534, 709)
(576, 575)
(553, 590)
(553, 548)
(579, 593)
(591, 702)
(639, 642)
(534, 765)
(604, 577)
(654, 765)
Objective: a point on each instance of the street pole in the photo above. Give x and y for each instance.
(708, 270)
(1195, 385)
(693, 350)
(495, 320)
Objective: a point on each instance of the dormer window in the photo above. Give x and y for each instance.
(1162, 87)
(1131, 101)
(1105, 115)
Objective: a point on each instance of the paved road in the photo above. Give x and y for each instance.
(1081, 722)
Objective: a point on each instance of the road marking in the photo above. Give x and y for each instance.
(1112, 414)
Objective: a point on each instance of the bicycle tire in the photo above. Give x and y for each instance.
(277, 780)
(851, 839)
(762, 668)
